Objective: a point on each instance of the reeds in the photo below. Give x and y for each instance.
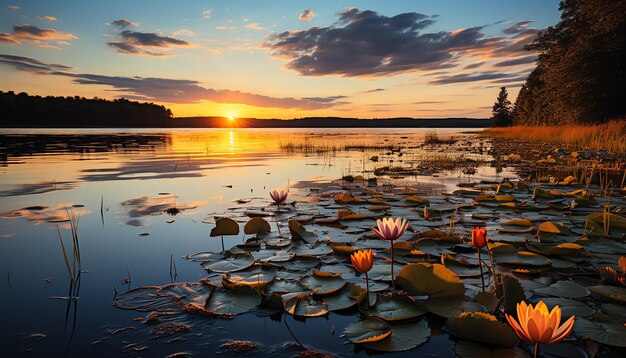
(75, 267)
(607, 136)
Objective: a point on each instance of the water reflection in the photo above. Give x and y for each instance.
(144, 199)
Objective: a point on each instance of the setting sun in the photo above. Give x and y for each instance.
(231, 118)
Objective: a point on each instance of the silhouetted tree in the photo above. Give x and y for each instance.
(22, 110)
(501, 114)
(581, 70)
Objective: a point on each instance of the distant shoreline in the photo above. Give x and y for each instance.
(219, 122)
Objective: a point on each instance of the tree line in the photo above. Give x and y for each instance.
(23, 110)
(581, 69)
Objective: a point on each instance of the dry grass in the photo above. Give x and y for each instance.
(608, 136)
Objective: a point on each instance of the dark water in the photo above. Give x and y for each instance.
(132, 175)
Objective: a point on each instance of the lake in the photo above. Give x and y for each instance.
(119, 182)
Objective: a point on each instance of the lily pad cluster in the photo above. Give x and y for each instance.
(295, 261)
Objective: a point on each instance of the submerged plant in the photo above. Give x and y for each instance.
(479, 240)
(363, 261)
(389, 230)
(538, 325)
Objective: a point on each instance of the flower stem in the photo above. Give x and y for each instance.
(480, 264)
(536, 349)
(367, 289)
(393, 283)
(223, 243)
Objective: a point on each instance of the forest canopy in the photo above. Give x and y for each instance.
(23, 110)
(580, 73)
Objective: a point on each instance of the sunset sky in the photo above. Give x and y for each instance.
(275, 59)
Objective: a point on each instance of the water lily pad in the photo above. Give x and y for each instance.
(444, 306)
(569, 307)
(553, 228)
(232, 301)
(403, 337)
(225, 226)
(299, 233)
(348, 296)
(232, 263)
(306, 306)
(602, 330)
(256, 226)
(481, 327)
(522, 258)
(393, 308)
(611, 293)
(566, 289)
(467, 349)
(434, 280)
(321, 283)
(254, 276)
(367, 330)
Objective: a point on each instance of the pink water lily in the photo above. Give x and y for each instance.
(389, 229)
(279, 196)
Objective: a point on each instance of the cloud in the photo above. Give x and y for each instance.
(255, 26)
(47, 17)
(122, 23)
(518, 27)
(13, 7)
(206, 13)
(145, 43)
(375, 90)
(517, 61)
(473, 65)
(365, 43)
(470, 77)
(307, 15)
(42, 37)
(170, 90)
(184, 32)
(429, 102)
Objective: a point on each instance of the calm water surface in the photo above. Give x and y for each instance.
(134, 174)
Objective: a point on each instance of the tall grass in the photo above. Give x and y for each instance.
(74, 268)
(607, 136)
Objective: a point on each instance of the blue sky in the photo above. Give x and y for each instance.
(267, 59)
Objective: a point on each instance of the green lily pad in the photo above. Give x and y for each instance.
(569, 307)
(522, 258)
(602, 330)
(256, 226)
(393, 308)
(348, 296)
(225, 226)
(566, 289)
(611, 293)
(404, 336)
(306, 306)
(367, 330)
(253, 276)
(232, 263)
(434, 280)
(553, 228)
(321, 283)
(298, 232)
(512, 292)
(467, 349)
(233, 301)
(444, 306)
(481, 327)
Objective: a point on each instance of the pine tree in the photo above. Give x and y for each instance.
(502, 112)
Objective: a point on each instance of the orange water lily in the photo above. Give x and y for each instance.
(279, 196)
(363, 261)
(539, 325)
(390, 229)
(479, 240)
(479, 237)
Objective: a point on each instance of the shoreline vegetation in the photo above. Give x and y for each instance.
(605, 136)
(26, 111)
